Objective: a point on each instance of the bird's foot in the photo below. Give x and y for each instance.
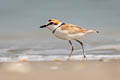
(84, 58)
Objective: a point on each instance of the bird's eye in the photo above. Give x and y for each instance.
(49, 20)
(51, 23)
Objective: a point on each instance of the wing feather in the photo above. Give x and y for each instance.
(73, 29)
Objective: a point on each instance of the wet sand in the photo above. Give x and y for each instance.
(61, 70)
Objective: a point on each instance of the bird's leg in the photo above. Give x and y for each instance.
(71, 50)
(85, 58)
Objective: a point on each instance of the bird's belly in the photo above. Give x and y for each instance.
(62, 36)
(66, 36)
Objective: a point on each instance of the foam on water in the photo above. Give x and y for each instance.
(97, 53)
(52, 58)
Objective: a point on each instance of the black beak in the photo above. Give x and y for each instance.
(43, 26)
(46, 25)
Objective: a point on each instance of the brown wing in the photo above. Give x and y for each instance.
(73, 29)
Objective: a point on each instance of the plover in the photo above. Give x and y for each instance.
(68, 32)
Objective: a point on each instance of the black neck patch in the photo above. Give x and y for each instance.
(57, 28)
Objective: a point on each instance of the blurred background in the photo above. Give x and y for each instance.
(20, 20)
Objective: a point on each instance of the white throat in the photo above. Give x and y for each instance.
(52, 27)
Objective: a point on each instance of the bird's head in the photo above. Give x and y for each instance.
(51, 22)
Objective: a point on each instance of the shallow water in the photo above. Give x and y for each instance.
(21, 37)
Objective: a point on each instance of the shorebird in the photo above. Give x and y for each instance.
(69, 32)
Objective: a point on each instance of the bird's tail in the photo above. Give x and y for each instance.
(92, 31)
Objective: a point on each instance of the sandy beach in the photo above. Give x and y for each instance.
(61, 70)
